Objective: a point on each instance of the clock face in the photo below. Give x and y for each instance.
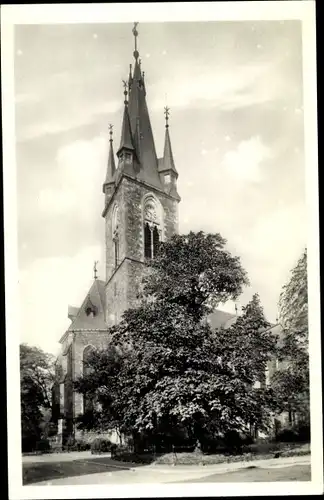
(150, 212)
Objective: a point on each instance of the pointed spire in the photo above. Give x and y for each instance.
(111, 166)
(111, 157)
(138, 138)
(141, 124)
(126, 140)
(168, 161)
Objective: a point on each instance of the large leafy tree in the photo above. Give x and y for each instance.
(172, 370)
(195, 271)
(36, 380)
(292, 380)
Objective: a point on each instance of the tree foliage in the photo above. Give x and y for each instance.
(195, 271)
(36, 379)
(292, 380)
(293, 305)
(166, 368)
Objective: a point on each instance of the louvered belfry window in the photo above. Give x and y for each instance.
(147, 241)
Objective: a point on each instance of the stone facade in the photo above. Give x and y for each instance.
(124, 277)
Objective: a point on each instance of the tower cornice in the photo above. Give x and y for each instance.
(140, 183)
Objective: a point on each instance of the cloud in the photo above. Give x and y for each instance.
(47, 287)
(216, 86)
(65, 121)
(245, 161)
(278, 237)
(80, 172)
(26, 98)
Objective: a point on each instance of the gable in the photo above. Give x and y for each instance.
(91, 314)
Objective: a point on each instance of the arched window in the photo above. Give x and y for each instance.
(115, 234)
(152, 227)
(147, 241)
(88, 402)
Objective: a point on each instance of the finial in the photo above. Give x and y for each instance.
(166, 114)
(125, 92)
(135, 33)
(95, 269)
(110, 127)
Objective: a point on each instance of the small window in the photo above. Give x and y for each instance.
(116, 251)
(167, 179)
(128, 157)
(62, 397)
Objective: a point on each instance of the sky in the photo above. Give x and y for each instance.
(236, 124)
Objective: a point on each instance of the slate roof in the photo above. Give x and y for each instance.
(218, 319)
(95, 299)
(111, 166)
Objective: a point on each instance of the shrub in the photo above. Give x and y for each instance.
(233, 441)
(100, 445)
(29, 443)
(69, 444)
(123, 454)
(82, 445)
(43, 446)
(297, 433)
(76, 445)
(303, 432)
(119, 449)
(287, 436)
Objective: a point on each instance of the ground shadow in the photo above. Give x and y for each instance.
(258, 474)
(35, 472)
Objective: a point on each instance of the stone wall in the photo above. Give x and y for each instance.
(116, 294)
(123, 282)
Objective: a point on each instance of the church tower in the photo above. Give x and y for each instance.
(141, 198)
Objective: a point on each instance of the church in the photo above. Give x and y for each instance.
(140, 208)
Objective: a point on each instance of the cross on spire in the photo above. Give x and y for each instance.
(110, 127)
(135, 33)
(166, 114)
(125, 84)
(95, 269)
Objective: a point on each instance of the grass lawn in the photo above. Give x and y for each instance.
(260, 453)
